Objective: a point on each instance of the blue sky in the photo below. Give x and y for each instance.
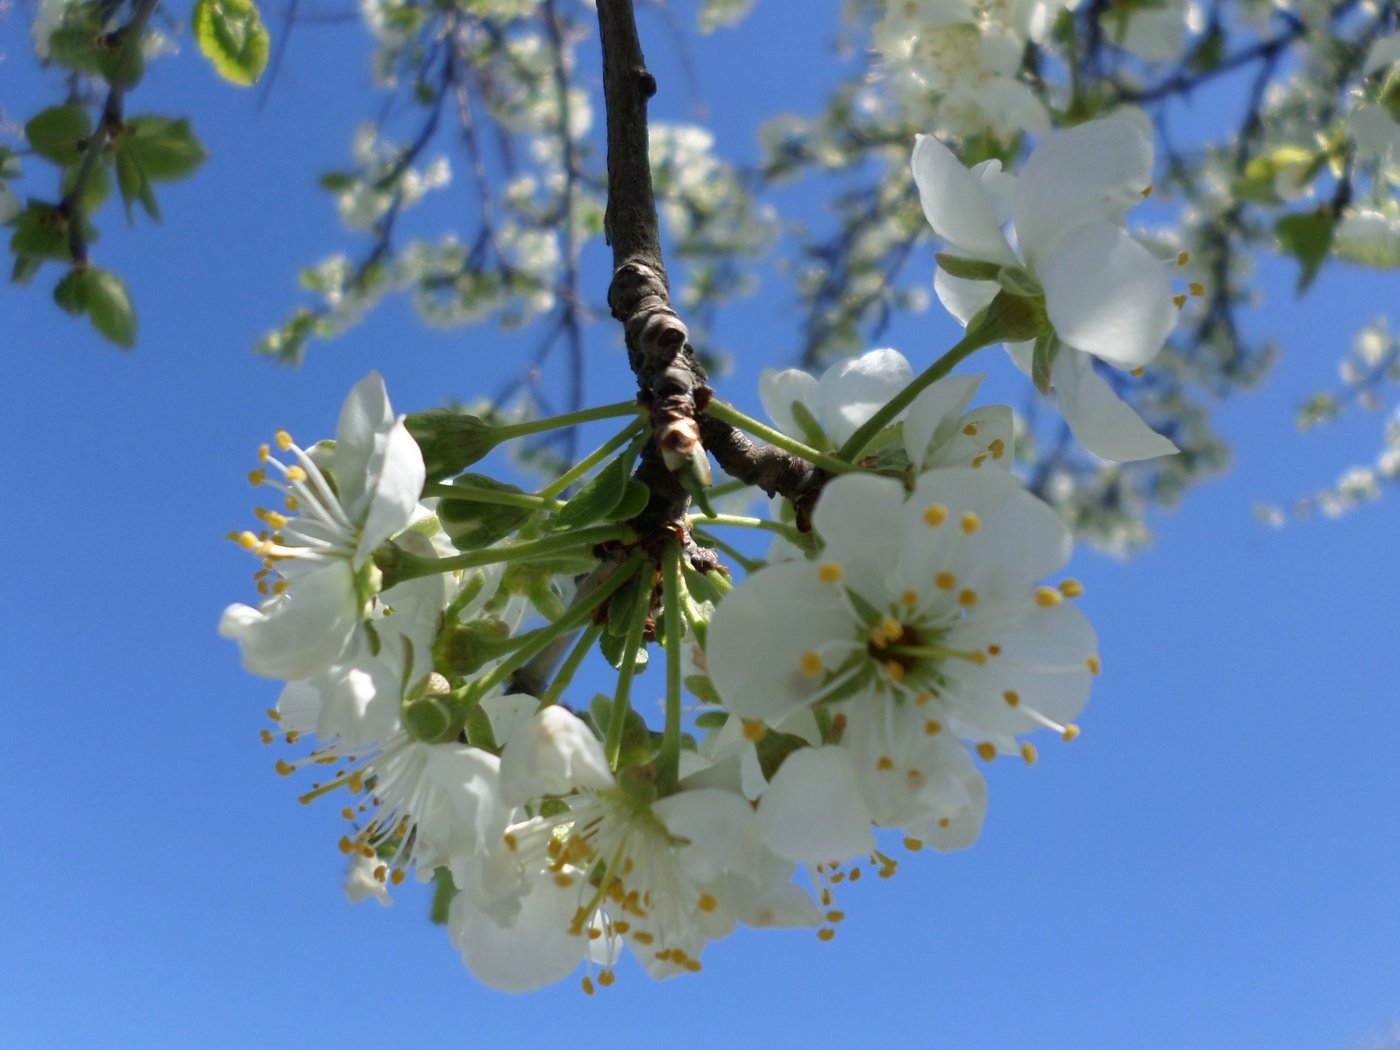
(1213, 864)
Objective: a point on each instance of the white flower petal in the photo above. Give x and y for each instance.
(714, 824)
(1099, 419)
(956, 205)
(555, 754)
(933, 415)
(300, 633)
(812, 811)
(858, 518)
(1087, 174)
(779, 390)
(850, 392)
(1108, 295)
(536, 950)
(394, 491)
(962, 298)
(365, 415)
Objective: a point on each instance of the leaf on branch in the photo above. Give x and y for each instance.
(164, 149)
(1308, 238)
(60, 133)
(232, 37)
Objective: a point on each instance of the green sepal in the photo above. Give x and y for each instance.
(699, 493)
(1008, 319)
(1019, 281)
(710, 719)
(75, 46)
(1308, 238)
(232, 37)
(638, 742)
(463, 649)
(480, 732)
(596, 499)
(134, 185)
(967, 269)
(1047, 345)
(165, 150)
(450, 440)
(71, 293)
(812, 432)
(41, 232)
(471, 526)
(24, 269)
(868, 614)
(60, 133)
(774, 748)
(109, 308)
(443, 892)
(704, 689)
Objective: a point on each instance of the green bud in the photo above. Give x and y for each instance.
(427, 719)
(450, 440)
(463, 649)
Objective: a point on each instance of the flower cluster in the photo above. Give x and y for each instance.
(429, 622)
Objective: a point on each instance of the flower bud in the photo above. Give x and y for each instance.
(451, 441)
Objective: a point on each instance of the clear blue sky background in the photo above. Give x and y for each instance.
(1212, 865)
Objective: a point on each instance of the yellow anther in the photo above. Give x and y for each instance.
(754, 730)
(283, 439)
(273, 714)
(293, 735)
(997, 448)
(706, 903)
(511, 841)
(1071, 588)
(987, 750)
(835, 916)
(1070, 733)
(994, 649)
(1011, 697)
(970, 523)
(913, 845)
(691, 965)
(346, 813)
(1178, 301)
(587, 985)
(943, 822)
(923, 698)
(895, 670)
(275, 520)
(970, 430)
(606, 978)
(284, 768)
(290, 502)
(830, 572)
(257, 477)
(263, 588)
(933, 727)
(264, 736)
(885, 764)
(967, 597)
(1028, 753)
(1147, 191)
(978, 657)
(855, 875)
(978, 460)
(381, 872)
(945, 581)
(908, 599)
(397, 877)
(280, 586)
(642, 937)
(1138, 372)
(264, 453)
(1047, 597)
(1196, 288)
(825, 933)
(936, 515)
(621, 926)
(248, 541)
(367, 851)
(563, 881)
(1092, 663)
(296, 474)
(356, 783)
(1183, 257)
(891, 628)
(811, 664)
(345, 845)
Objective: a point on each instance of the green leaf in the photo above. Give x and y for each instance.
(109, 307)
(165, 149)
(41, 232)
(231, 35)
(967, 269)
(470, 525)
(96, 189)
(1308, 238)
(634, 500)
(120, 65)
(71, 292)
(60, 133)
(26, 266)
(596, 499)
(75, 47)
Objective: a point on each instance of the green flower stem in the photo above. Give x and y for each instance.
(622, 697)
(408, 567)
(496, 497)
(732, 416)
(668, 761)
(788, 532)
(595, 457)
(995, 324)
(566, 672)
(574, 617)
(568, 419)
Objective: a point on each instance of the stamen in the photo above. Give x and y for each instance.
(1011, 697)
(1071, 588)
(830, 572)
(1092, 663)
(754, 731)
(997, 448)
(932, 727)
(1028, 753)
(1047, 597)
(811, 664)
(945, 581)
(987, 750)
(970, 523)
(936, 515)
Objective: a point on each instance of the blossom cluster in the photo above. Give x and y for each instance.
(429, 623)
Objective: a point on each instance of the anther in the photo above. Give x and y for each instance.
(1183, 257)
(909, 599)
(829, 572)
(895, 670)
(932, 727)
(1028, 753)
(970, 523)
(825, 933)
(606, 978)
(587, 985)
(1047, 597)
(945, 581)
(1092, 663)
(997, 448)
(936, 515)
(967, 597)
(754, 730)
(283, 439)
(913, 845)
(970, 430)
(885, 764)
(1071, 731)
(1011, 697)
(1071, 588)
(1196, 288)
(1179, 301)
(987, 750)
(811, 664)
(1139, 372)
(706, 903)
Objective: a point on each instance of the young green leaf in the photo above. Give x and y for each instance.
(1308, 238)
(60, 133)
(163, 148)
(109, 307)
(231, 35)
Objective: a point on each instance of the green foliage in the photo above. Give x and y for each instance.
(231, 35)
(60, 133)
(162, 148)
(101, 295)
(1307, 237)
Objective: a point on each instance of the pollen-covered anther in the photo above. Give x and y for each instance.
(587, 985)
(754, 731)
(1183, 257)
(1092, 663)
(970, 430)
(283, 440)
(811, 664)
(1147, 191)
(1028, 753)
(1070, 732)
(913, 845)
(1179, 301)
(986, 750)
(967, 598)
(970, 523)
(1071, 588)
(932, 727)
(884, 764)
(1048, 597)
(830, 572)
(1196, 288)
(923, 698)
(1139, 372)
(909, 599)
(825, 933)
(1011, 697)
(606, 978)
(935, 515)
(945, 581)
(997, 448)
(707, 903)
(895, 670)
(284, 768)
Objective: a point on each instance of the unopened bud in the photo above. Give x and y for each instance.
(451, 441)
(682, 450)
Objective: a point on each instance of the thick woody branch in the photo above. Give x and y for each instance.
(671, 385)
(776, 471)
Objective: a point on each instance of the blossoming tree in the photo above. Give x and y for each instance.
(909, 622)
